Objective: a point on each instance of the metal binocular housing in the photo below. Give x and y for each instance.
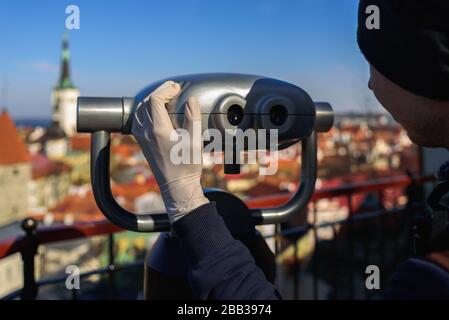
(228, 102)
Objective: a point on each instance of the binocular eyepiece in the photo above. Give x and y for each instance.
(229, 103)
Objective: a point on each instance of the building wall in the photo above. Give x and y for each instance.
(56, 149)
(11, 278)
(80, 164)
(47, 191)
(14, 181)
(64, 102)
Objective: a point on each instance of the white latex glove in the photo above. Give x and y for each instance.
(180, 184)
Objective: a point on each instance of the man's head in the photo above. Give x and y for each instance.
(425, 120)
(408, 52)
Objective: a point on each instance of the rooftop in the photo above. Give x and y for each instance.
(42, 166)
(13, 149)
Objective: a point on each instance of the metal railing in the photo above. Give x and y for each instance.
(343, 239)
(383, 237)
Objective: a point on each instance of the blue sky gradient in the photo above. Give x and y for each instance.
(124, 45)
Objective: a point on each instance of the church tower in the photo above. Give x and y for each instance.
(64, 95)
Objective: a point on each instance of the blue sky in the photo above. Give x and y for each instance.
(124, 45)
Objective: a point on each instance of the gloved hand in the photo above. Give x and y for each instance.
(179, 183)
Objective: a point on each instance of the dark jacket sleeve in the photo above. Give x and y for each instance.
(419, 279)
(220, 267)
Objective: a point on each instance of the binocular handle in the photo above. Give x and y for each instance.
(101, 186)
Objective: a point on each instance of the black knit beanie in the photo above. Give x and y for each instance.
(411, 47)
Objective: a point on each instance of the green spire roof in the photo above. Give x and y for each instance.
(64, 79)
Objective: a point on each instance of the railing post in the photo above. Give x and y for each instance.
(315, 257)
(297, 270)
(29, 291)
(336, 267)
(415, 194)
(351, 245)
(111, 267)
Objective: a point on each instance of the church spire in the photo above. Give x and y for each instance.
(64, 79)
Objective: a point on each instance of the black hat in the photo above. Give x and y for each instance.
(411, 45)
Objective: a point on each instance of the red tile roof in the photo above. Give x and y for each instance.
(80, 142)
(125, 150)
(263, 189)
(77, 204)
(131, 191)
(12, 147)
(41, 166)
(84, 208)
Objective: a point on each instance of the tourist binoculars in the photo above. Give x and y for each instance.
(228, 102)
